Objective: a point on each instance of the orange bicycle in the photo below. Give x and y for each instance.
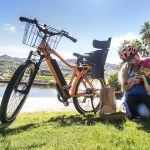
(85, 83)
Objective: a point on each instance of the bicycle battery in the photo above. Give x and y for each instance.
(61, 79)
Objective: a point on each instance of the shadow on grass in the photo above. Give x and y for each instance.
(87, 120)
(145, 125)
(4, 131)
(61, 120)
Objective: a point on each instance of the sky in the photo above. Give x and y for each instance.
(85, 20)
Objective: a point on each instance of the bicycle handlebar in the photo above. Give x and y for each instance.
(23, 19)
(45, 31)
(69, 37)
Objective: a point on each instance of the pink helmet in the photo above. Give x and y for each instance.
(127, 52)
(146, 63)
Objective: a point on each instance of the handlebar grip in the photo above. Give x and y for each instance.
(71, 38)
(27, 20)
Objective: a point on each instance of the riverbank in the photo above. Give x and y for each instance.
(49, 104)
(36, 82)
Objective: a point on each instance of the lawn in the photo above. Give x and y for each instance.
(48, 78)
(72, 131)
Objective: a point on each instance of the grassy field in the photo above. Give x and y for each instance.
(71, 131)
(48, 78)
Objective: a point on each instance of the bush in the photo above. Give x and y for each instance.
(112, 81)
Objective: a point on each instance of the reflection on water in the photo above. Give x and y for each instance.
(36, 91)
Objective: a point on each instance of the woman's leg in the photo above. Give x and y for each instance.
(133, 101)
(145, 99)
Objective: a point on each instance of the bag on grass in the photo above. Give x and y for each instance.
(108, 105)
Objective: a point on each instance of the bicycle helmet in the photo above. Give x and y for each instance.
(145, 63)
(127, 52)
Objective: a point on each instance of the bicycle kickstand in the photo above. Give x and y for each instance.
(93, 106)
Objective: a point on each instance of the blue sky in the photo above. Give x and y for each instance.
(84, 19)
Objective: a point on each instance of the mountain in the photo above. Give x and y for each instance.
(11, 59)
(108, 67)
(8, 62)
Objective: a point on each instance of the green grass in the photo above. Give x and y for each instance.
(48, 78)
(44, 78)
(71, 131)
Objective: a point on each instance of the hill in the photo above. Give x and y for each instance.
(8, 65)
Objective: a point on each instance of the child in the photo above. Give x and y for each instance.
(145, 70)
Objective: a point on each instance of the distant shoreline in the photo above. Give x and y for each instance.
(39, 83)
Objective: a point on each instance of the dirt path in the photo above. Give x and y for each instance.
(51, 104)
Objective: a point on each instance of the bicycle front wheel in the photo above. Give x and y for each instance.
(83, 103)
(17, 91)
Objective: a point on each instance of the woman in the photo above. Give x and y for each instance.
(130, 81)
(139, 93)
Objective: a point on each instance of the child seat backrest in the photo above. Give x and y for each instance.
(98, 57)
(102, 44)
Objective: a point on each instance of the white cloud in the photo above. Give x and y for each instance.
(10, 28)
(117, 40)
(14, 50)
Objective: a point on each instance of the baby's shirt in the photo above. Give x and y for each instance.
(139, 88)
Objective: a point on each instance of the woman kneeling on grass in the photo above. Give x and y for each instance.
(135, 86)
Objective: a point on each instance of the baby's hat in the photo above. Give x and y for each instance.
(145, 63)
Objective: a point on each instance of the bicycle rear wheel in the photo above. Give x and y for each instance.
(17, 91)
(83, 104)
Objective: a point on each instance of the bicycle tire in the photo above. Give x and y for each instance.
(77, 102)
(16, 84)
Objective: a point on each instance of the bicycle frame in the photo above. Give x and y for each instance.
(65, 91)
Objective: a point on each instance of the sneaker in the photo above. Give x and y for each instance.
(136, 119)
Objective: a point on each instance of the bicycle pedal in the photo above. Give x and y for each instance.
(66, 103)
(66, 87)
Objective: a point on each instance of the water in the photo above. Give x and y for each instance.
(35, 91)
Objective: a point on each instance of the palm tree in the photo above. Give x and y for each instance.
(140, 47)
(125, 42)
(145, 32)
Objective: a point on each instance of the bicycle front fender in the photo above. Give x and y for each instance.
(75, 85)
(79, 76)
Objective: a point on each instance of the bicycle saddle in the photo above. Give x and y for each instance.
(79, 56)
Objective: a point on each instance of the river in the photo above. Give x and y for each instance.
(36, 91)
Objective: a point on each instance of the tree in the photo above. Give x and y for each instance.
(145, 32)
(140, 46)
(125, 42)
(112, 81)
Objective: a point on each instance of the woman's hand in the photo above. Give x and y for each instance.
(137, 79)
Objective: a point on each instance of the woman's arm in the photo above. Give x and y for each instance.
(126, 83)
(128, 86)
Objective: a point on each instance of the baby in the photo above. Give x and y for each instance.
(145, 73)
